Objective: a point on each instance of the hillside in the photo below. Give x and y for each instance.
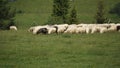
(22, 49)
(38, 11)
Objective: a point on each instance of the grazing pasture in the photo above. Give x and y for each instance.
(21, 49)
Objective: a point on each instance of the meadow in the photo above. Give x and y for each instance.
(21, 49)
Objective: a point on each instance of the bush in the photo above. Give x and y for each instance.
(6, 15)
(115, 9)
(73, 16)
(100, 14)
(60, 11)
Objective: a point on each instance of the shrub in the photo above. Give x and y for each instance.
(6, 15)
(116, 9)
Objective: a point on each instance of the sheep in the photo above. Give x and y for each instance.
(118, 27)
(89, 28)
(45, 29)
(104, 25)
(13, 28)
(42, 30)
(94, 29)
(113, 27)
(61, 28)
(71, 29)
(99, 28)
(31, 29)
(81, 25)
(37, 28)
(74, 28)
(52, 29)
(103, 29)
(80, 30)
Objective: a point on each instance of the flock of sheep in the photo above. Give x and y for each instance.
(74, 28)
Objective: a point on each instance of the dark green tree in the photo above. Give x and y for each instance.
(73, 16)
(60, 10)
(6, 15)
(116, 9)
(100, 15)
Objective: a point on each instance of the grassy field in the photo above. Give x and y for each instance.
(21, 49)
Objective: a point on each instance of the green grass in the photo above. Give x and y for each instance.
(21, 49)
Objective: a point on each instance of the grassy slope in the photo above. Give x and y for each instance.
(38, 11)
(24, 50)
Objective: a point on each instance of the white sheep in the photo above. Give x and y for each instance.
(37, 28)
(89, 28)
(80, 30)
(61, 27)
(103, 29)
(113, 27)
(51, 29)
(71, 29)
(94, 29)
(13, 28)
(31, 29)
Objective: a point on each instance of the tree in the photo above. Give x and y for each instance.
(116, 9)
(60, 10)
(6, 15)
(73, 16)
(100, 15)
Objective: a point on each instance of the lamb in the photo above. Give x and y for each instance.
(13, 28)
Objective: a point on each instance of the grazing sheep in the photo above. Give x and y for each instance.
(71, 29)
(103, 29)
(42, 31)
(61, 28)
(37, 28)
(94, 29)
(13, 28)
(88, 28)
(104, 25)
(51, 29)
(80, 30)
(118, 28)
(31, 29)
(46, 29)
(74, 28)
(113, 27)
